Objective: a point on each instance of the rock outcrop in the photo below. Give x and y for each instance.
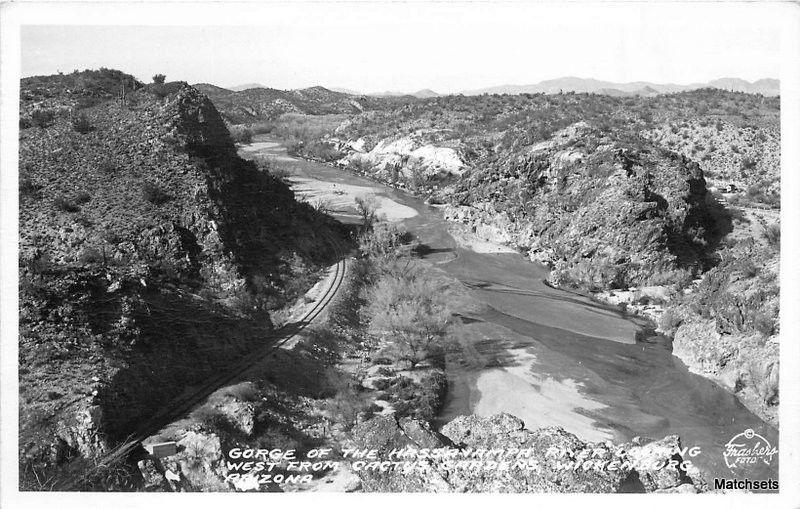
(549, 466)
(405, 159)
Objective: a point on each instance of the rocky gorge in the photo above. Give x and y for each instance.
(131, 294)
(629, 220)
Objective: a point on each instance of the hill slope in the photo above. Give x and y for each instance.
(255, 104)
(151, 256)
(266, 104)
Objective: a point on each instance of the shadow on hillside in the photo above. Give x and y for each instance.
(708, 224)
(177, 343)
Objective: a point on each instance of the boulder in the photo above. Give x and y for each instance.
(554, 460)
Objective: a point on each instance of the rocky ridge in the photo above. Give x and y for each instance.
(150, 256)
(266, 104)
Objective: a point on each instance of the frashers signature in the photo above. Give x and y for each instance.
(748, 448)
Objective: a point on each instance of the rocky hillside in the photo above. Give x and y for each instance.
(264, 104)
(606, 207)
(151, 256)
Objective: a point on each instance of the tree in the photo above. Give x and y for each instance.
(159, 79)
(385, 243)
(367, 206)
(346, 405)
(81, 124)
(412, 312)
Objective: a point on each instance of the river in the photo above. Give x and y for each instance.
(548, 356)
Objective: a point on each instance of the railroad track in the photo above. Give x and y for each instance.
(183, 404)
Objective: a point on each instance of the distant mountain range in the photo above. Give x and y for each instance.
(246, 86)
(253, 101)
(766, 86)
(425, 93)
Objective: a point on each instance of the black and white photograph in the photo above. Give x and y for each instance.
(399, 247)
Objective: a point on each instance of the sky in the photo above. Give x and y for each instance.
(446, 46)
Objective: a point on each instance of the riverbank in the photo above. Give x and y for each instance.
(630, 382)
(726, 332)
(742, 359)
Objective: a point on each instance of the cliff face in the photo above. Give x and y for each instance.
(605, 212)
(150, 255)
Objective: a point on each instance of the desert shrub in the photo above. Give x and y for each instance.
(241, 134)
(382, 384)
(772, 233)
(434, 390)
(107, 166)
(422, 400)
(348, 402)
(280, 172)
(159, 79)
(294, 148)
(115, 476)
(359, 165)
(748, 164)
(86, 102)
(81, 124)
(242, 392)
(755, 193)
(345, 310)
(210, 417)
(412, 312)
(766, 323)
(384, 371)
(385, 243)
(262, 128)
(669, 321)
(747, 268)
(318, 150)
(324, 342)
(773, 200)
(323, 206)
(27, 187)
(111, 237)
(90, 255)
(249, 304)
(764, 377)
(43, 118)
(367, 206)
(65, 204)
(83, 197)
(154, 194)
(160, 90)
